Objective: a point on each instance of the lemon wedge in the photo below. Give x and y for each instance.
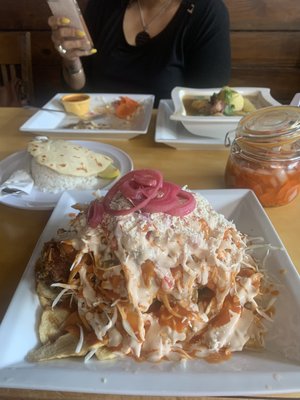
(237, 101)
(110, 172)
(248, 105)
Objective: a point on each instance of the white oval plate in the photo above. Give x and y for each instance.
(38, 200)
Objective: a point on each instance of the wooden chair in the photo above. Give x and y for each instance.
(16, 83)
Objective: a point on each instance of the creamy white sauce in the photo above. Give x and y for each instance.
(203, 246)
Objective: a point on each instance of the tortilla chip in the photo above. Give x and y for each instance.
(63, 347)
(45, 293)
(104, 354)
(51, 323)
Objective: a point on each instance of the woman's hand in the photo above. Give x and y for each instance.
(70, 42)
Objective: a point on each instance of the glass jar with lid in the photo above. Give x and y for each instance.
(265, 155)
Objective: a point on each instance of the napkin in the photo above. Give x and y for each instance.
(20, 180)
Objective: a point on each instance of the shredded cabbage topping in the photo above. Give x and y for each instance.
(154, 286)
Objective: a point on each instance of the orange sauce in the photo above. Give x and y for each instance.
(176, 323)
(115, 281)
(222, 355)
(131, 316)
(232, 304)
(148, 272)
(76, 97)
(246, 272)
(133, 321)
(109, 294)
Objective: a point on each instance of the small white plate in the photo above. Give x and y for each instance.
(174, 134)
(215, 126)
(56, 122)
(38, 200)
(273, 370)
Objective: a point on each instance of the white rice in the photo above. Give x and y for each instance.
(47, 180)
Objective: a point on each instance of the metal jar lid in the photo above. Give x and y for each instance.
(271, 123)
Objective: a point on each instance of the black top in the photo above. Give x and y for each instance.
(192, 51)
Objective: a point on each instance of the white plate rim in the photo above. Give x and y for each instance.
(48, 201)
(133, 379)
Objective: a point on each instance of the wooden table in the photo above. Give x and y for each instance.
(20, 229)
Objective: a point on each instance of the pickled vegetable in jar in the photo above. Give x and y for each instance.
(265, 155)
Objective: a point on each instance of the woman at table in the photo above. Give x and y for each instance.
(146, 46)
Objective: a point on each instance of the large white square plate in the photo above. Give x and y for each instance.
(174, 134)
(274, 370)
(215, 126)
(56, 122)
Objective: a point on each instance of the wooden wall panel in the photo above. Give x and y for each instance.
(43, 52)
(26, 14)
(283, 82)
(258, 15)
(266, 48)
(244, 14)
(23, 14)
(265, 38)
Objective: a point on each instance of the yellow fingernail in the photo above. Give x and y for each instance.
(65, 21)
(93, 51)
(80, 33)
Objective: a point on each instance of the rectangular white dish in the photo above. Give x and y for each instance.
(52, 122)
(174, 134)
(214, 126)
(273, 370)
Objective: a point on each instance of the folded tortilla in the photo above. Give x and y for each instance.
(68, 158)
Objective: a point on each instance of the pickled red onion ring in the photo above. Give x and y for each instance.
(147, 192)
(147, 182)
(95, 213)
(165, 199)
(132, 191)
(186, 204)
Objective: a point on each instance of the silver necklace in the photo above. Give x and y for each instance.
(143, 37)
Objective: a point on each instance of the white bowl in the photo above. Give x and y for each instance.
(214, 126)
